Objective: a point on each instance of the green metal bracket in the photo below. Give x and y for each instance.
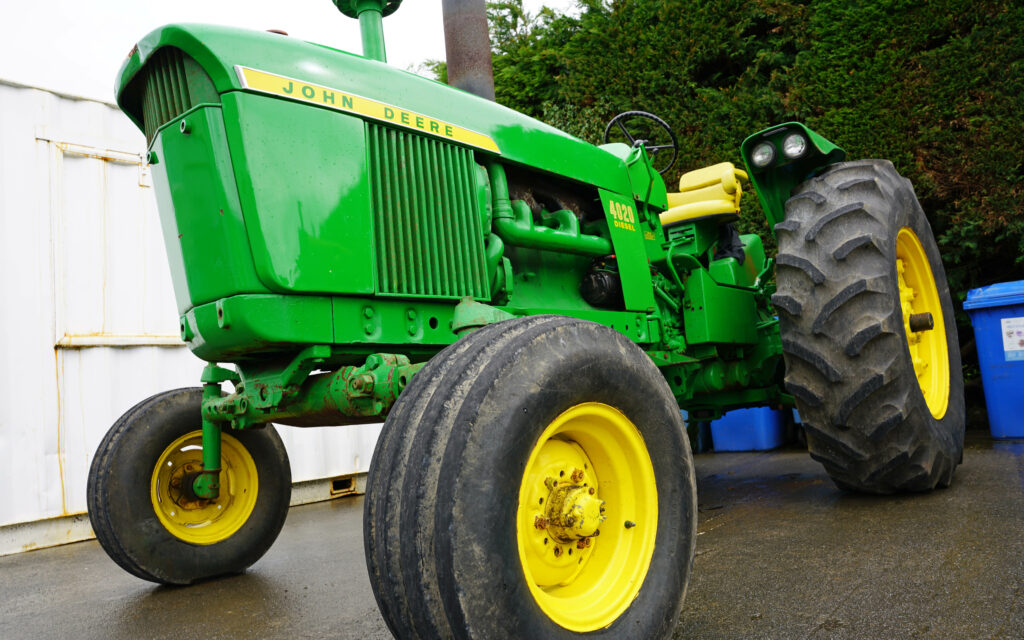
(775, 181)
(349, 395)
(212, 374)
(207, 483)
(686, 242)
(299, 369)
(648, 186)
(471, 315)
(271, 390)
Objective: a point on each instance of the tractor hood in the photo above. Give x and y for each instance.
(220, 60)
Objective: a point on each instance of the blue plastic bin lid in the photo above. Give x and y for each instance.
(1003, 294)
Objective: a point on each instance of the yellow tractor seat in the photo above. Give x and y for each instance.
(711, 192)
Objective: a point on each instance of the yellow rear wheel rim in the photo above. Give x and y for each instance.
(204, 522)
(586, 576)
(919, 294)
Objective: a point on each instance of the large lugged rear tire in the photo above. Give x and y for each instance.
(880, 395)
(499, 434)
(145, 524)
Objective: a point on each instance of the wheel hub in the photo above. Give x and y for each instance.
(180, 487)
(587, 517)
(197, 520)
(574, 513)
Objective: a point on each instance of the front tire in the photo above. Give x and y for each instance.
(146, 525)
(881, 397)
(484, 494)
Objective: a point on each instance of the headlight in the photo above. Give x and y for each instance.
(762, 155)
(794, 145)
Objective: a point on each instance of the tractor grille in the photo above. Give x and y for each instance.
(426, 217)
(174, 83)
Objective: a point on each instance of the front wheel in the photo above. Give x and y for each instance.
(152, 528)
(868, 332)
(533, 481)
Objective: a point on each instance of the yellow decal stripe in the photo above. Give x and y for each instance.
(349, 102)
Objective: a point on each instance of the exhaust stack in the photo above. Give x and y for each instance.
(467, 46)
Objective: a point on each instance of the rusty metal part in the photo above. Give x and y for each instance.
(181, 489)
(467, 46)
(577, 476)
(921, 322)
(573, 513)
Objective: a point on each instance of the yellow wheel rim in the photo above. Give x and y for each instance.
(203, 521)
(919, 295)
(587, 517)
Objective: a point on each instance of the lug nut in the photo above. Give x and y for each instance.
(550, 482)
(593, 490)
(577, 475)
(540, 522)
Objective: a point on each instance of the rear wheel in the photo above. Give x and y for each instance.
(535, 481)
(154, 529)
(868, 331)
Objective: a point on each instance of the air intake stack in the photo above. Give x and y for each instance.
(371, 14)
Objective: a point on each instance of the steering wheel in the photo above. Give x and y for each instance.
(647, 130)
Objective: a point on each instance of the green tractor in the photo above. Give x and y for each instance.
(528, 312)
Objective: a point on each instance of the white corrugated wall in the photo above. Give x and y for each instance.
(88, 325)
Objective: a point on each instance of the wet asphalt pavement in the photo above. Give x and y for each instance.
(781, 553)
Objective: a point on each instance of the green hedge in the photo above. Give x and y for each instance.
(933, 86)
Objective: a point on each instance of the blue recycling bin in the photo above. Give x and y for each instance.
(756, 429)
(997, 313)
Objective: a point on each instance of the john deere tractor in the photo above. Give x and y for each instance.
(527, 312)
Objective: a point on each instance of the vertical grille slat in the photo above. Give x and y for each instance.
(169, 91)
(181, 92)
(426, 218)
(447, 255)
(429, 207)
(399, 210)
(170, 108)
(416, 258)
(382, 236)
(473, 228)
(460, 231)
(443, 272)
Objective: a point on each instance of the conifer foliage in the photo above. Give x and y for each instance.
(933, 86)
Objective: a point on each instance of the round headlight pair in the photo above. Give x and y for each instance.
(794, 146)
